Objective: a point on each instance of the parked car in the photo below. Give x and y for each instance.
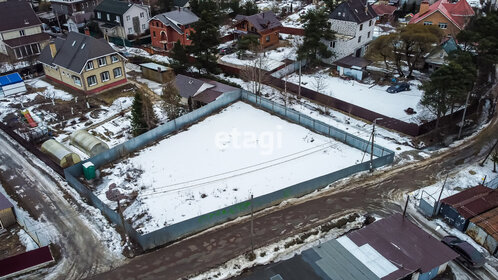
(398, 87)
(468, 254)
(55, 29)
(226, 50)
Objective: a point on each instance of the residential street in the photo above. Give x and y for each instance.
(83, 253)
(373, 193)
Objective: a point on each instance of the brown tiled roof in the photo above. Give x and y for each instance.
(261, 21)
(25, 40)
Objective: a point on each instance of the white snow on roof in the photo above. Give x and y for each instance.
(154, 66)
(367, 255)
(87, 164)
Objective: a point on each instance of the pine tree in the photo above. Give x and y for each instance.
(171, 105)
(250, 8)
(180, 59)
(494, 159)
(316, 29)
(138, 125)
(206, 37)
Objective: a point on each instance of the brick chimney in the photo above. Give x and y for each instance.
(53, 49)
(424, 7)
(87, 31)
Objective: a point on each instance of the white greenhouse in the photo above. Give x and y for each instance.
(59, 153)
(88, 143)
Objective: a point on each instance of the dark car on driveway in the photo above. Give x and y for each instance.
(468, 254)
(398, 87)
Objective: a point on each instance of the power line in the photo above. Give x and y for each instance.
(236, 175)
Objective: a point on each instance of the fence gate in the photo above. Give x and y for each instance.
(427, 205)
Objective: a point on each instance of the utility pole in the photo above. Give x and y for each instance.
(406, 206)
(490, 151)
(463, 117)
(252, 225)
(373, 142)
(439, 198)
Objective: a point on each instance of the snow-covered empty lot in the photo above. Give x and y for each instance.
(219, 162)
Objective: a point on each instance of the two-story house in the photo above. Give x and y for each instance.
(353, 22)
(265, 25)
(122, 19)
(83, 63)
(68, 7)
(450, 17)
(167, 28)
(21, 34)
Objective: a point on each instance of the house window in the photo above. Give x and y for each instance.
(102, 61)
(99, 15)
(130, 30)
(117, 72)
(77, 80)
(21, 32)
(332, 44)
(153, 33)
(108, 17)
(361, 27)
(359, 39)
(268, 38)
(142, 14)
(104, 76)
(143, 27)
(427, 22)
(89, 65)
(114, 58)
(443, 25)
(368, 35)
(118, 20)
(127, 18)
(370, 23)
(92, 80)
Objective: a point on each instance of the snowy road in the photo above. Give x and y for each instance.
(83, 252)
(376, 194)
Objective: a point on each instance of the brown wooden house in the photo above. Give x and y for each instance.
(265, 25)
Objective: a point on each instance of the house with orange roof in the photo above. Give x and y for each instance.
(450, 17)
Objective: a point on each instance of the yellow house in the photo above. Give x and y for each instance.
(83, 63)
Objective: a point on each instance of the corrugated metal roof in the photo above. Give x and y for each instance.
(339, 263)
(488, 221)
(473, 201)
(4, 202)
(10, 79)
(25, 260)
(404, 244)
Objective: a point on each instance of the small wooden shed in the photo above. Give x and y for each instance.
(7, 215)
(59, 153)
(157, 72)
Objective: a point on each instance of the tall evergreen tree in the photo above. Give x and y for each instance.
(316, 29)
(206, 37)
(138, 125)
(180, 59)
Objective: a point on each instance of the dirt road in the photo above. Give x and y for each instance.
(82, 250)
(370, 192)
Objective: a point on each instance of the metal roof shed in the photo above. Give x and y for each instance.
(459, 208)
(88, 143)
(59, 153)
(484, 230)
(12, 84)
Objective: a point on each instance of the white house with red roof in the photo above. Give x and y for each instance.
(451, 17)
